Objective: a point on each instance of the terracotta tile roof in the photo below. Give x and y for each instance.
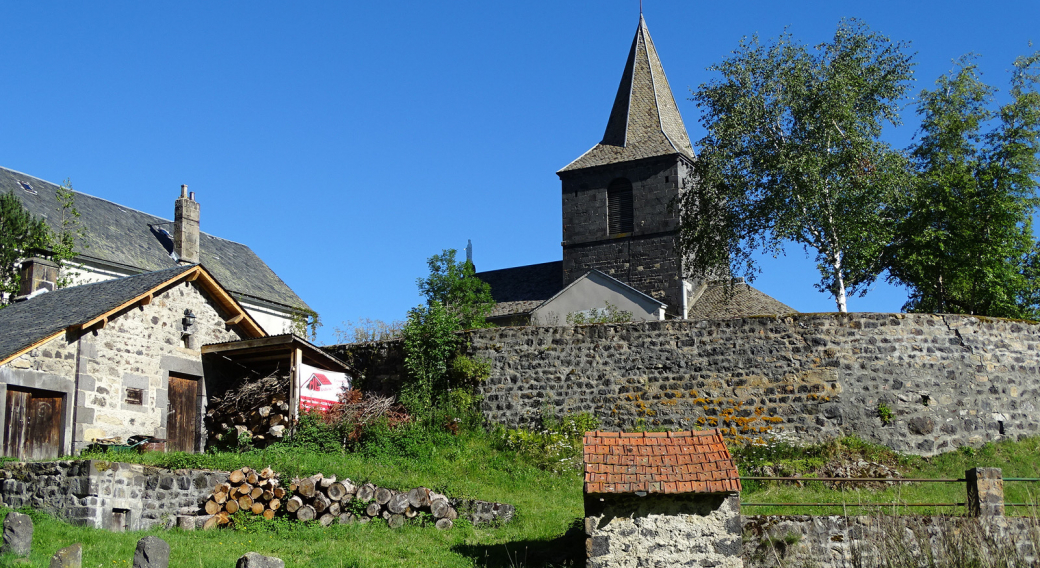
(659, 462)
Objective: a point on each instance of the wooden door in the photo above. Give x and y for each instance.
(33, 429)
(182, 421)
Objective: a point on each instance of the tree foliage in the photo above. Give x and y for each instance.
(20, 233)
(455, 300)
(793, 153)
(455, 286)
(965, 244)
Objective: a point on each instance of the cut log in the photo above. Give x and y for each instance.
(398, 503)
(256, 493)
(411, 513)
(366, 492)
(294, 485)
(327, 481)
(306, 513)
(252, 478)
(220, 497)
(223, 518)
(326, 520)
(237, 476)
(275, 504)
(347, 519)
(373, 509)
(395, 521)
(383, 495)
(419, 497)
(212, 507)
(444, 524)
(245, 502)
(231, 506)
(349, 486)
(267, 495)
(335, 508)
(385, 514)
(269, 514)
(306, 487)
(258, 508)
(439, 508)
(211, 523)
(293, 504)
(336, 491)
(279, 493)
(267, 473)
(321, 502)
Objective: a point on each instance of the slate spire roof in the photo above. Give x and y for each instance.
(645, 120)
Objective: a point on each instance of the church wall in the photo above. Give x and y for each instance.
(645, 259)
(948, 381)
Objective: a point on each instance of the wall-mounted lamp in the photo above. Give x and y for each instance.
(189, 319)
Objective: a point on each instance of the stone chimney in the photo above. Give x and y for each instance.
(186, 228)
(37, 274)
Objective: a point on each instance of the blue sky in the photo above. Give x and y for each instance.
(347, 142)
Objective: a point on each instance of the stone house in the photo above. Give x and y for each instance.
(119, 241)
(661, 499)
(116, 358)
(619, 212)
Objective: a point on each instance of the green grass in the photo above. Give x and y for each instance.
(468, 465)
(1015, 458)
(474, 465)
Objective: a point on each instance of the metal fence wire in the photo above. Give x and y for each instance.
(876, 480)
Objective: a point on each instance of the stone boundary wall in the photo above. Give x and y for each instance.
(945, 380)
(863, 541)
(107, 495)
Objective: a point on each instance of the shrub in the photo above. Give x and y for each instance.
(556, 446)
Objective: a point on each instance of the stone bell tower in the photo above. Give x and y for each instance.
(616, 197)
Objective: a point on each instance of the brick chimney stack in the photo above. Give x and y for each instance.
(186, 227)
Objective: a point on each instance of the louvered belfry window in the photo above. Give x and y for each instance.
(619, 207)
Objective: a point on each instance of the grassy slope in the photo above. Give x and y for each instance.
(547, 505)
(468, 465)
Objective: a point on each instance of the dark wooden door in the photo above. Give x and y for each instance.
(33, 429)
(182, 423)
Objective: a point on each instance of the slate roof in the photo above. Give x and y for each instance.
(521, 289)
(645, 121)
(135, 241)
(27, 322)
(659, 462)
(740, 300)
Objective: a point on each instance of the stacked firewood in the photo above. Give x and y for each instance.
(256, 411)
(329, 500)
(246, 490)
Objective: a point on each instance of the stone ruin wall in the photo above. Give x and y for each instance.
(947, 380)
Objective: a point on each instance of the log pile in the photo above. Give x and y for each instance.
(253, 410)
(246, 490)
(329, 500)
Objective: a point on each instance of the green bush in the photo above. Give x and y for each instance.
(556, 446)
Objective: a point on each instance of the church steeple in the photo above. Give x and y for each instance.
(645, 120)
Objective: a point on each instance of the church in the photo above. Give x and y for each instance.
(619, 226)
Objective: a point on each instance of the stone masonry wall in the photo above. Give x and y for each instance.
(663, 530)
(947, 381)
(88, 492)
(903, 540)
(137, 348)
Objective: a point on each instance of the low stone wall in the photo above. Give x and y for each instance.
(663, 530)
(863, 541)
(941, 381)
(107, 495)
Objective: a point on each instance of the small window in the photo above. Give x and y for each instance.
(619, 207)
(135, 396)
(27, 187)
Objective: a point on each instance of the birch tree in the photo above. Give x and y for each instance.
(793, 154)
